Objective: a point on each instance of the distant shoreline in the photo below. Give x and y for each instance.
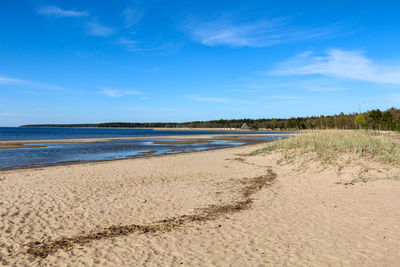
(168, 128)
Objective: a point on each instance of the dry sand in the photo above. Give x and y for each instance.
(207, 208)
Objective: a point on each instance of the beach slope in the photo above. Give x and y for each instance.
(220, 207)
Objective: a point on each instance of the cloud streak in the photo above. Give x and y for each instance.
(283, 97)
(118, 92)
(97, 29)
(58, 12)
(91, 26)
(151, 47)
(262, 33)
(25, 83)
(208, 99)
(132, 16)
(130, 45)
(340, 64)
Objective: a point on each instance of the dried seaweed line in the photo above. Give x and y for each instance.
(212, 212)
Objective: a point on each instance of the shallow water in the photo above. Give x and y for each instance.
(16, 133)
(69, 153)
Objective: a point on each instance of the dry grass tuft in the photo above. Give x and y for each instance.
(327, 144)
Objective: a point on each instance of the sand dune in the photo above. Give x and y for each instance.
(309, 214)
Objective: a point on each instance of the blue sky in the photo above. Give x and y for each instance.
(96, 61)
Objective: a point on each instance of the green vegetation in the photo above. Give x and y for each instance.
(360, 121)
(328, 144)
(374, 119)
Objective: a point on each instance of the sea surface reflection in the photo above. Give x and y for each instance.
(67, 153)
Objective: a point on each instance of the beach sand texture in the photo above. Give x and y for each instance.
(302, 213)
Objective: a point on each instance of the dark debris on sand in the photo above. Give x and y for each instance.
(212, 212)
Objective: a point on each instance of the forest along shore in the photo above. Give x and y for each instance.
(287, 202)
(373, 119)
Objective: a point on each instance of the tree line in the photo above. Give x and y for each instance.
(373, 119)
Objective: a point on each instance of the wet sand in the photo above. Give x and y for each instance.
(199, 138)
(215, 208)
(17, 145)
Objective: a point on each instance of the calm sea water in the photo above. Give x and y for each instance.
(67, 153)
(15, 133)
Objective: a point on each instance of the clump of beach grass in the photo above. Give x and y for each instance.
(328, 144)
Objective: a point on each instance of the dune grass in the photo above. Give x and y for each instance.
(328, 144)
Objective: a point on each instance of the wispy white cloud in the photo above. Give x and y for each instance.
(97, 29)
(324, 89)
(132, 16)
(341, 64)
(25, 83)
(323, 84)
(283, 97)
(152, 69)
(149, 109)
(132, 45)
(219, 100)
(118, 92)
(59, 12)
(208, 99)
(91, 26)
(262, 33)
(246, 102)
(142, 46)
(129, 44)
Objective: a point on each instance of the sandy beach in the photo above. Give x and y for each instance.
(212, 208)
(199, 133)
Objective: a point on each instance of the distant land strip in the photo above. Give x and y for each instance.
(373, 119)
